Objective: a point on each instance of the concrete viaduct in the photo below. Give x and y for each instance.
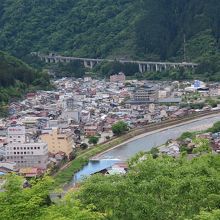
(144, 66)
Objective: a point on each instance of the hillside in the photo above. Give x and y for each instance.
(80, 27)
(140, 29)
(16, 78)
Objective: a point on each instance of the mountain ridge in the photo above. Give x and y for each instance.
(142, 29)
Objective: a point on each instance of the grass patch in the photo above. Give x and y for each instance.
(187, 134)
(66, 175)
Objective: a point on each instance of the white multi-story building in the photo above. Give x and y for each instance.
(24, 151)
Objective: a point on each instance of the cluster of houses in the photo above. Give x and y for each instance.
(174, 147)
(48, 126)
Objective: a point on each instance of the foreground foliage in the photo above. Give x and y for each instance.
(162, 188)
(34, 203)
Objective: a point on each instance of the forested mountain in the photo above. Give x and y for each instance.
(16, 78)
(150, 29)
(81, 27)
(13, 69)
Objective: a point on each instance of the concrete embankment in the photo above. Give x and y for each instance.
(157, 129)
(65, 175)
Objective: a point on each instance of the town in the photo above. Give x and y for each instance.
(46, 129)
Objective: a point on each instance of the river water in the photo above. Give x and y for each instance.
(126, 151)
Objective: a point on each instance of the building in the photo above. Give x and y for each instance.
(71, 115)
(144, 94)
(24, 151)
(30, 172)
(118, 77)
(58, 141)
(197, 86)
(90, 130)
(10, 166)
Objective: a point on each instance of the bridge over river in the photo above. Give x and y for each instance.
(144, 66)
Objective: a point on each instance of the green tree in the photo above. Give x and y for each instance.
(34, 203)
(161, 188)
(187, 134)
(93, 140)
(119, 128)
(214, 215)
(215, 128)
(202, 146)
(70, 209)
(18, 203)
(83, 146)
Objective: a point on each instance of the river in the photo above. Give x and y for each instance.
(144, 143)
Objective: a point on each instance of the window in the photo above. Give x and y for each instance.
(31, 148)
(19, 136)
(28, 148)
(38, 148)
(24, 152)
(18, 153)
(24, 148)
(32, 152)
(14, 152)
(35, 148)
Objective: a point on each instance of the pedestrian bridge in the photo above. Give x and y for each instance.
(144, 66)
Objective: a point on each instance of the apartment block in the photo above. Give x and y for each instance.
(25, 151)
(58, 141)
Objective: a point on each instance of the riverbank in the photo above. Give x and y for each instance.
(65, 176)
(97, 157)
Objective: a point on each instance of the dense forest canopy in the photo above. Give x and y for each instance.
(148, 29)
(16, 78)
(158, 30)
(12, 69)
